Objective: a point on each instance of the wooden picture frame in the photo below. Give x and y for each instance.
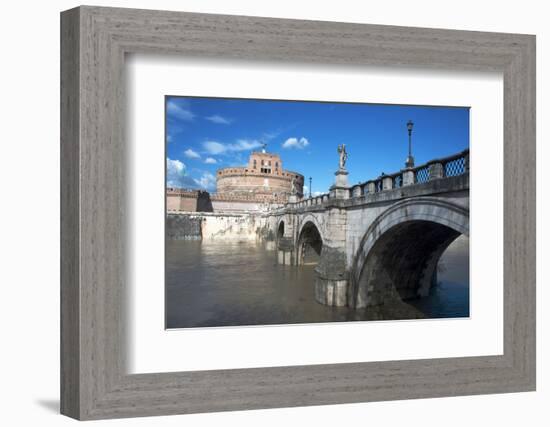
(94, 382)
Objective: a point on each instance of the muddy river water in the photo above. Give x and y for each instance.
(234, 284)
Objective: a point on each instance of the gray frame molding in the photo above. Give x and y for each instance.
(94, 383)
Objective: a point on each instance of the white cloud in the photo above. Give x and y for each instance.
(168, 138)
(207, 181)
(175, 167)
(210, 160)
(179, 111)
(191, 154)
(214, 147)
(296, 143)
(245, 144)
(317, 193)
(267, 136)
(219, 119)
(176, 175)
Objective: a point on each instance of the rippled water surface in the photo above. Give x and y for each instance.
(231, 284)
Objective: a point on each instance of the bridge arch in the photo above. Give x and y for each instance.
(280, 229)
(310, 218)
(398, 254)
(309, 241)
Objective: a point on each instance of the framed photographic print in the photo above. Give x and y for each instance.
(337, 212)
(237, 216)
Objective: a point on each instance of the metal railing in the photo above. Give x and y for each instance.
(457, 164)
(422, 174)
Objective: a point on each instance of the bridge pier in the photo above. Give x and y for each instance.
(331, 281)
(285, 252)
(332, 278)
(270, 244)
(331, 292)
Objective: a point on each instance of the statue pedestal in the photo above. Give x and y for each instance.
(340, 190)
(341, 178)
(293, 198)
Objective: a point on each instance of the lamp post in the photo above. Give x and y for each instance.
(310, 187)
(410, 159)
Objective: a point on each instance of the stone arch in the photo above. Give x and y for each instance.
(280, 229)
(398, 254)
(309, 218)
(309, 242)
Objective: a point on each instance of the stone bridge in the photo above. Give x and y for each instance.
(379, 239)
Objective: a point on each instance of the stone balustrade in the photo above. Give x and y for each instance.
(457, 164)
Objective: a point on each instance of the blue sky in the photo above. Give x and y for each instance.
(204, 134)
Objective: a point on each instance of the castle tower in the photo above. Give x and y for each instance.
(263, 179)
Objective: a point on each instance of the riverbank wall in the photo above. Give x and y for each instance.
(214, 226)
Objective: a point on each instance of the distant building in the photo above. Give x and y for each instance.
(180, 199)
(260, 184)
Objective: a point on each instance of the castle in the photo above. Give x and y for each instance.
(260, 184)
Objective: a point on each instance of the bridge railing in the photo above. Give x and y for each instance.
(457, 164)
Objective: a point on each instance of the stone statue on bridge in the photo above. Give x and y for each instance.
(293, 190)
(340, 189)
(343, 156)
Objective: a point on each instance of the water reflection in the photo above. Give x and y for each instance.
(230, 284)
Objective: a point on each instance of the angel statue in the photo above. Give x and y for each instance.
(343, 155)
(293, 186)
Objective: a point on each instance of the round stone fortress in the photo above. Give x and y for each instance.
(263, 179)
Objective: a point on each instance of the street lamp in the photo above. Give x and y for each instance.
(410, 159)
(310, 187)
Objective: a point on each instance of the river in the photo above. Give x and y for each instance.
(236, 284)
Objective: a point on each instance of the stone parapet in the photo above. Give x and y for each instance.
(433, 187)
